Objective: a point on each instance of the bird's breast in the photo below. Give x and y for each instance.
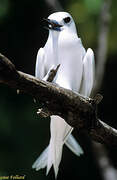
(67, 53)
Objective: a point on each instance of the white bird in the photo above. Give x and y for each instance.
(76, 72)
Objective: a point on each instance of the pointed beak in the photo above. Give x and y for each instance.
(53, 24)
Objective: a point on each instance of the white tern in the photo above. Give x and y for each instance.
(76, 72)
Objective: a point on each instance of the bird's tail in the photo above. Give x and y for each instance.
(53, 153)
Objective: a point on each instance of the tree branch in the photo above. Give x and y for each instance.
(78, 111)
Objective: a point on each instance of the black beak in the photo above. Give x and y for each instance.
(53, 24)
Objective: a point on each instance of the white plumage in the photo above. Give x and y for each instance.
(76, 72)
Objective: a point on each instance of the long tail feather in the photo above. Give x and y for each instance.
(41, 161)
(49, 160)
(60, 134)
(73, 145)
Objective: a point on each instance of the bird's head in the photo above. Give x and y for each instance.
(60, 21)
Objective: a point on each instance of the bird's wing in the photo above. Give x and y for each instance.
(40, 65)
(88, 73)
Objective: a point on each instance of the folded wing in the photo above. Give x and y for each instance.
(88, 73)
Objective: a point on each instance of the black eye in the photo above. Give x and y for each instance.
(67, 19)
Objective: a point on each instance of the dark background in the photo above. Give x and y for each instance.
(23, 135)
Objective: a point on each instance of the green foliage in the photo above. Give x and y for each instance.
(78, 11)
(86, 14)
(4, 9)
(86, 20)
(93, 6)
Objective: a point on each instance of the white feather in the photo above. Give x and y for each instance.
(65, 48)
(40, 72)
(57, 142)
(88, 73)
(41, 161)
(73, 145)
(45, 159)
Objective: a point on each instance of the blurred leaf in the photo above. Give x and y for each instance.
(79, 12)
(4, 7)
(93, 6)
